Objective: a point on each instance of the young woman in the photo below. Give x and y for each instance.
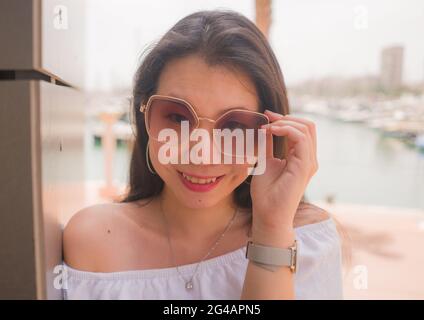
(182, 230)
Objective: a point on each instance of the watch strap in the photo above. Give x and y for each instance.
(272, 258)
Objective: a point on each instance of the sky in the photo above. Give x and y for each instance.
(311, 38)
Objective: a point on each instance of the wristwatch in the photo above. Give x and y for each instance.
(272, 258)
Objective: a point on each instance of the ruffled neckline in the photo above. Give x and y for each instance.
(187, 269)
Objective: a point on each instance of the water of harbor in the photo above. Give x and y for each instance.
(357, 165)
(360, 165)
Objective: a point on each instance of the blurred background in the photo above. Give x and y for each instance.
(355, 68)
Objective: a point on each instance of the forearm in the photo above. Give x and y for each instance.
(263, 284)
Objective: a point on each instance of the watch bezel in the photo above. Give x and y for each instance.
(293, 248)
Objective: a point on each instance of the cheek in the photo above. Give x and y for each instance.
(237, 173)
(154, 148)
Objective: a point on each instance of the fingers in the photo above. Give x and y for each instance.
(269, 146)
(305, 126)
(297, 137)
(301, 127)
(311, 126)
(273, 116)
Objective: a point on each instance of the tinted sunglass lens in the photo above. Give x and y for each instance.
(237, 124)
(168, 114)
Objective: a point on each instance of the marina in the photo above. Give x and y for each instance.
(401, 117)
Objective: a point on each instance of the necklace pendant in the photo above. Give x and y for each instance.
(189, 285)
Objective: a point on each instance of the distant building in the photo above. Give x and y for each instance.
(338, 86)
(391, 68)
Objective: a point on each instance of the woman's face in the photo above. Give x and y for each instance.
(211, 91)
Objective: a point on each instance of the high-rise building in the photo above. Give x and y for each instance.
(391, 67)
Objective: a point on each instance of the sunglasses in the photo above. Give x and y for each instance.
(165, 112)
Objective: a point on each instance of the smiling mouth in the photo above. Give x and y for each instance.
(199, 183)
(199, 180)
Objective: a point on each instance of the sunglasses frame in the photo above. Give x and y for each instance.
(145, 108)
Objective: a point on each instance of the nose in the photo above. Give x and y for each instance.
(207, 120)
(204, 144)
(207, 124)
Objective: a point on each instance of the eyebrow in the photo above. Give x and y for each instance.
(171, 94)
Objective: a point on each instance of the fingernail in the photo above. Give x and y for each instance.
(275, 112)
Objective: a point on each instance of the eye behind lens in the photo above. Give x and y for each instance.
(241, 119)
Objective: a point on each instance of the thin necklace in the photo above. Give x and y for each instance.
(189, 283)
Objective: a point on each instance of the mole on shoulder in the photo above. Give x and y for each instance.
(108, 230)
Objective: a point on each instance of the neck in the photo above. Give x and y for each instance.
(196, 223)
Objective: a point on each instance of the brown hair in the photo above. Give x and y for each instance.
(221, 37)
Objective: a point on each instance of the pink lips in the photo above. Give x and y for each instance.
(200, 187)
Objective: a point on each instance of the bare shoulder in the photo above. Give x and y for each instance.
(308, 213)
(87, 235)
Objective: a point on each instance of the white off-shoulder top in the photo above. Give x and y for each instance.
(319, 274)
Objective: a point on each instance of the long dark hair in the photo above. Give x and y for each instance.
(220, 37)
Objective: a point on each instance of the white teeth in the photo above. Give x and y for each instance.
(198, 180)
